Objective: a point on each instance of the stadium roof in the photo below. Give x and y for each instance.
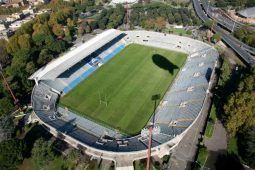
(248, 12)
(61, 64)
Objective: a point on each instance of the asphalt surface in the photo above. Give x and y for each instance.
(227, 23)
(216, 145)
(235, 44)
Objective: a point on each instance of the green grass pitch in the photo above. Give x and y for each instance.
(127, 82)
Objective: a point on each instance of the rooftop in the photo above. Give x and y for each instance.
(248, 12)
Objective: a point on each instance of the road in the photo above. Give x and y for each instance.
(228, 39)
(227, 23)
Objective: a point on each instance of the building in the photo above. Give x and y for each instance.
(247, 13)
(181, 108)
(2, 27)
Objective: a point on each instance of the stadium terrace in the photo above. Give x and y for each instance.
(187, 64)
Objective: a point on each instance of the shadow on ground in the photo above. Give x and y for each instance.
(164, 63)
(228, 161)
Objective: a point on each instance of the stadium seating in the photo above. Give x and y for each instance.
(178, 109)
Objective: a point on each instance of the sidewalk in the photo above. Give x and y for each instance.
(216, 145)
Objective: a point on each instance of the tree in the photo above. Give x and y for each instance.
(13, 45)
(249, 147)
(216, 37)
(160, 24)
(19, 62)
(24, 41)
(6, 106)
(149, 24)
(68, 36)
(6, 127)
(240, 106)
(57, 29)
(208, 23)
(44, 57)
(102, 23)
(30, 67)
(178, 18)
(72, 158)
(4, 57)
(42, 153)
(70, 23)
(81, 31)
(11, 153)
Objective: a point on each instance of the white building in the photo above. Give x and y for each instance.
(2, 27)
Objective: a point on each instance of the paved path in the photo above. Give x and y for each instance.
(216, 145)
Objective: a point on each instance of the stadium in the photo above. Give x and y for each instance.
(103, 96)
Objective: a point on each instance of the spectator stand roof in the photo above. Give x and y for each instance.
(61, 64)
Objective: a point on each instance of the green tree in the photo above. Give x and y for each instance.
(6, 106)
(42, 153)
(67, 33)
(25, 41)
(11, 153)
(208, 23)
(13, 45)
(249, 147)
(4, 57)
(6, 127)
(216, 37)
(44, 57)
(240, 106)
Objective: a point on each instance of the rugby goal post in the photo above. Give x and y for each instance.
(102, 99)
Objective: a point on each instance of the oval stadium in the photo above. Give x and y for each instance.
(109, 95)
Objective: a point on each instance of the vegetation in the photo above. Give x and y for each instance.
(239, 108)
(208, 23)
(216, 37)
(11, 153)
(248, 145)
(44, 38)
(232, 145)
(201, 158)
(235, 101)
(141, 165)
(9, 11)
(179, 31)
(210, 123)
(127, 83)
(111, 18)
(42, 153)
(242, 33)
(6, 128)
(235, 3)
(156, 15)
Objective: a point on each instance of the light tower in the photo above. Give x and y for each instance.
(151, 130)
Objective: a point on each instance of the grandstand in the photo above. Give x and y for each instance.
(177, 112)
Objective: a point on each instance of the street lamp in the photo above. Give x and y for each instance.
(7, 85)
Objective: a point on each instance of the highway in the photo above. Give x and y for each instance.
(228, 39)
(227, 23)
